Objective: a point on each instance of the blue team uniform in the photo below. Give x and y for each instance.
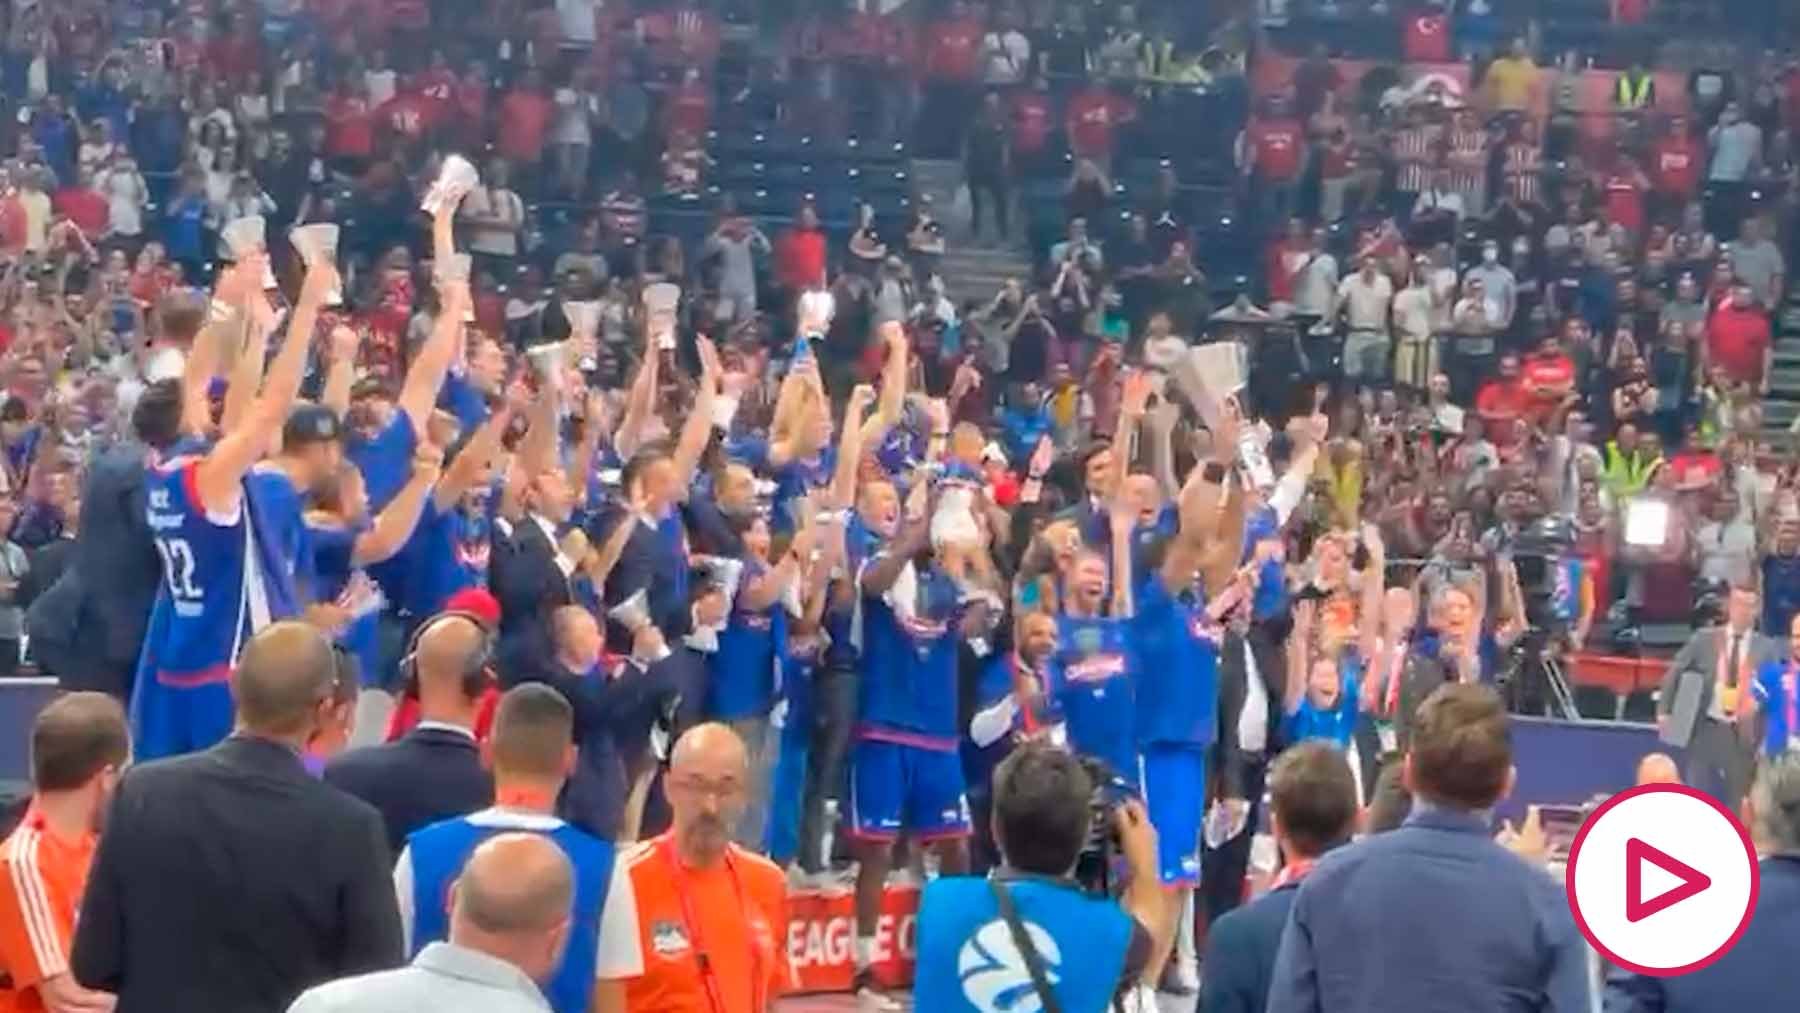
(435, 856)
(333, 554)
(1099, 667)
(1177, 720)
(799, 663)
(905, 771)
(385, 461)
(448, 552)
(1334, 726)
(742, 683)
(278, 511)
(212, 598)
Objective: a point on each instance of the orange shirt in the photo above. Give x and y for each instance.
(735, 913)
(41, 880)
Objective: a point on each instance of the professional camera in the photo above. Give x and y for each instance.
(1533, 681)
(1093, 870)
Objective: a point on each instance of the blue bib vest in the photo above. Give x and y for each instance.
(967, 962)
(438, 854)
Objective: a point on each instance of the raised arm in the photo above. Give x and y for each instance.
(1374, 579)
(851, 442)
(425, 377)
(697, 430)
(893, 386)
(394, 525)
(1299, 659)
(341, 378)
(249, 335)
(218, 476)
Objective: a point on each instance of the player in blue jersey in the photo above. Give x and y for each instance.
(213, 592)
(1015, 703)
(919, 603)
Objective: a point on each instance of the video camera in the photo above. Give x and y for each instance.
(1093, 870)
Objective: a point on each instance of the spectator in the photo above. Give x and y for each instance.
(1314, 811)
(1512, 81)
(157, 914)
(987, 166)
(1738, 339)
(723, 902)
(1736, 154)
(1363, 300)
(509, 923)
(496, 217)
(1509, 934)
(433, 772)
(1756, 260)
(801, 258)
(524, 124)
(79, 745)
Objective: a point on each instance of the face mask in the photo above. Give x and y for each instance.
(1489, 256)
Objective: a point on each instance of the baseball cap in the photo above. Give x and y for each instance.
(310, 423)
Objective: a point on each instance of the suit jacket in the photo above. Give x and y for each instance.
(1701, 654)
(1233, 763)
(427, 775)
(1507, 943)
(1240, 953)
(646, 564)
(528, 584)
(1752, 975)
(116, 554)
(231, 881)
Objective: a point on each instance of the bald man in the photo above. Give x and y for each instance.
(509, 924)
(1658, 768)
(231, 879)
(434, 771)
(692, 891)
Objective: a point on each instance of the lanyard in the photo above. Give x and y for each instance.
(1391, 705)
(709, 978)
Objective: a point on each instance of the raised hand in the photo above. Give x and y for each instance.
(1042, 457)
(344, 343)
(1136, 398)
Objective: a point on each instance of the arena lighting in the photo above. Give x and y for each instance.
(1225, 221)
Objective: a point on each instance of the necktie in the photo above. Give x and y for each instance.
(1737, 658)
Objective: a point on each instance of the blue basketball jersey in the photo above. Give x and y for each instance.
(437, 854)
(1099, 669)
(909, 690)
(743, 668)
(1178, 685)
(212, 597)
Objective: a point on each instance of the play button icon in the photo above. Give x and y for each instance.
(1662, 879)
(1690, 880)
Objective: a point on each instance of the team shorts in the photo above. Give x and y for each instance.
(897, 788)
(1174, 783)
(172, 720)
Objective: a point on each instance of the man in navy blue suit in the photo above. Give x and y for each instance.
(1312, 810)
(1435, 915)
(1754, 974)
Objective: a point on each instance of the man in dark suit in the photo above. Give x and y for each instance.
(1753, 973)
(1494, 931)
(1313, 809)
(532, 566)
(434, 771)
(1252, 672)
(230, 880)
(1720, 730)
(89, 626)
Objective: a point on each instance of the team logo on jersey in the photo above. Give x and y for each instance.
(1096, 669)
(993, 972)
(1087, 640)
(668, 939)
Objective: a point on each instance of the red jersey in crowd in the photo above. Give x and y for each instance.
(524, 119)
(1427, 37)
(685, 36)
(84, 206)
(689, 109)
(1278, 268)
(411, 15)
(1093, 114)
(437, 86)
(800, 259)
(408, 114)
(472, 98)
(1737, 337)
(1677, 166)
(1501, 402)
(349, 127)
(1547, 379)
(1625, 200)
(1273, 147)
(953, 49)
(1031, 122)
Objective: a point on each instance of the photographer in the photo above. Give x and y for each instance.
(1083, 949)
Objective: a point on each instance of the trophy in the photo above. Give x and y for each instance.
(660, 302)
(633, 613)
(249, 237)
(455, 179)
(318, 244)
(584, 324)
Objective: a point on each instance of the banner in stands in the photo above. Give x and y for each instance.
(821, 938)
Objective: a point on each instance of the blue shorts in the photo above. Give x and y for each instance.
(172, 720)
(896, 787)
(1174, 782)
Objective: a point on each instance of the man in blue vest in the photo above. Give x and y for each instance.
(532, 752)
(1082, 948)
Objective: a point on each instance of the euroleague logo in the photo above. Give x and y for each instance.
(993, 972)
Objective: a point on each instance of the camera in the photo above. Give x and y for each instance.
(1093, 870)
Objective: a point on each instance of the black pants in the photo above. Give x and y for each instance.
(834, 700)
(993, 188)
(1222, 869)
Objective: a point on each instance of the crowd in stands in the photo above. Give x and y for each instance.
(564, 419)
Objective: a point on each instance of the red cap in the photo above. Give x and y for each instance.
(477, 602)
